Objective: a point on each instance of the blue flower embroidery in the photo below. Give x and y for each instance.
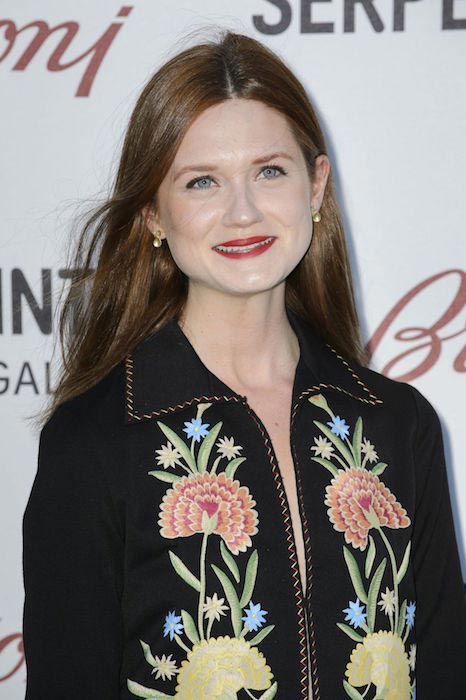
(410, 613)
(339, 426)
(196, 429)
(255, 617)
(355, 614)
(413, 693)
(173, 625)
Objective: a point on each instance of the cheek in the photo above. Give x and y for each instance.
(190, 219)
(185, 246)
(295, 217)
(182, 249)
(292, 203)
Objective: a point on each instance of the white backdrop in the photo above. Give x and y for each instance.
(388, 84)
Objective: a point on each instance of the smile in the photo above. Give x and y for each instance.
(246, 247)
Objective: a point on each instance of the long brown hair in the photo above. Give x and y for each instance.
(135, 290)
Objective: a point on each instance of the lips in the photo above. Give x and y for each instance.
(241, 247)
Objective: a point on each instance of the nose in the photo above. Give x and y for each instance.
(241, 208)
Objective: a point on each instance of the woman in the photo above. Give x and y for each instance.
(228, 502)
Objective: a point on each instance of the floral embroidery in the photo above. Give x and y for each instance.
(210, 503)
(227, 448)
(255, 617)
(196, 429)
(359, 503)
(387, 602)
(412, 657)
(355, 614)
(323, 447)
(219, 668)
(172, 625)
(338, 426)
(381, 659)
(168, 456)
(198, 498)
(369, 451)
(410, 611)
(214, 607)
(165, 667)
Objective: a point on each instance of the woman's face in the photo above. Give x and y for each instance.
(235, 206)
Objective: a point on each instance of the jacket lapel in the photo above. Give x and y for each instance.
(321, 367)
(164, 373)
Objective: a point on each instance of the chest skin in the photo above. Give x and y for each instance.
(274, 411)
(273, 408)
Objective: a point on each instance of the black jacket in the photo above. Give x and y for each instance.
(159, 557)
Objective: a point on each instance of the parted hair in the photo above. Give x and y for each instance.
(122, 289)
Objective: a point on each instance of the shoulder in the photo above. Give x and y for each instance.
(399, 396)
(97, 410)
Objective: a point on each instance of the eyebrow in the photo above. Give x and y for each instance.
(203, 167)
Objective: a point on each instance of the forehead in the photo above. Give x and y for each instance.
(235, 128)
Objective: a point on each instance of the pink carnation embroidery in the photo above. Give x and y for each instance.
(358, 501)
(217, 495)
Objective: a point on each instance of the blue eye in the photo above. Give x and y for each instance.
(274, 167)
(204, 181)
(196, 180)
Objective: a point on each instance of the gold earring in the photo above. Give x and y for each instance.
(316, 217)
(157, 238)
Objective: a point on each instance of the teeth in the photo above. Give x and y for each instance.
(243, 248)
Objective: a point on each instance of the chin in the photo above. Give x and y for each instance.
(255, 287)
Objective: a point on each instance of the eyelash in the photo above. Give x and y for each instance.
(191, 183)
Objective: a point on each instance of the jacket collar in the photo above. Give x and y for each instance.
(164, 373)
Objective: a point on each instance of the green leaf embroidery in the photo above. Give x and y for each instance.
(208, 522)
(327, 464)
(270, 693)
(180, 444)
(142, 692)
(401, 619)
(374, 593)
(165, 476)
(379, 468)
(357, 435)
(355, 575)
(370, 556)
(339, 444)
(350, 632)
(261, 635)
(229, 561)
(249, 579)
(148, 654)
(232, 599)
(201, 407)
(352, 692)
(183, 571)
(190, 627)
(233, 466)
(206, 447)
(404, 564)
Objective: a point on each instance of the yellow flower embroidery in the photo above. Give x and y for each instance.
(381, 659)
(217, 669)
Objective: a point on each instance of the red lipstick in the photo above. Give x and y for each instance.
(245, 247)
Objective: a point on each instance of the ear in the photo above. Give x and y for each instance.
(321, 173)
(151, 219)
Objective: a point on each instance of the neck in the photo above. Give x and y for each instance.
(245, 340)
